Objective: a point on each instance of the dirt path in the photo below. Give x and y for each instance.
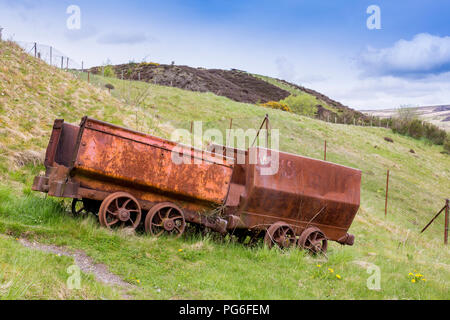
(84, 262)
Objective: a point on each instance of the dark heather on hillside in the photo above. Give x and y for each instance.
(235, 85)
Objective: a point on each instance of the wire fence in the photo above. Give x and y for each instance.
(50, 55)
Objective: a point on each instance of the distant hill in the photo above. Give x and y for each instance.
(437, 115)
(234, 84)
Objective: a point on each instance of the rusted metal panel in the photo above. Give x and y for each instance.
(54, 142)
(113, 154)
(303, 192)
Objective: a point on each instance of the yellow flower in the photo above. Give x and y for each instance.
(138, 281)
(180, 250)
(339, 277)
(331, 270)
(418, 275)
(319, 266)
(413, 280)
(411, 274)
(424, 280)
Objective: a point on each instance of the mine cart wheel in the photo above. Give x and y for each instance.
(165, 217)
(280, 234)
(78, 207)
(120, 210)
(314, 240)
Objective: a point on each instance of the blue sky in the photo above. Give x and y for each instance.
(323, 45)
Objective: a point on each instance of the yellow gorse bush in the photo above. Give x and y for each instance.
(276, 105)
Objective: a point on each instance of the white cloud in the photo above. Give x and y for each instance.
(425, 54)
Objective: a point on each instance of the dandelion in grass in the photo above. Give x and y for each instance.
(331, 270)
(180, 250)
(339, 277)
(413, 280)
(319, 266)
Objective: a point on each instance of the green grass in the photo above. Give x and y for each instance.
(213, 267)
(206, 268)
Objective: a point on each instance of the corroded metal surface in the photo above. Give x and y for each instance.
(110, 153)
(304, 192)
(96, 159)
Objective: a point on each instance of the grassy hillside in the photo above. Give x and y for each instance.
(210, 267)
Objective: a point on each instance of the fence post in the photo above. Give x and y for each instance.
(35, 50)
(447, 204)
(62, 63)
(82, 66)
(89, 76)
(67, 64)
(1, 29)
(387, 193)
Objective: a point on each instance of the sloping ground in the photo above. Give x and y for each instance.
(210, 267)
(236, 85)
(327, 108)
(437, 115)
(33, 95)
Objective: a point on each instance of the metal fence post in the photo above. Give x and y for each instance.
(447, 204)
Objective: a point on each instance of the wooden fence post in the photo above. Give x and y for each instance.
(387, 194)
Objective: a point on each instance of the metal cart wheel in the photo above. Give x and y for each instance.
(167, 218)
(314, 240)
(280, 234)
(120, 210)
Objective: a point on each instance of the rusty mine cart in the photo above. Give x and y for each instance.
(129, 179)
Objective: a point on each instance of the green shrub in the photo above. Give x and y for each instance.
(447, 144)
(416, 129)
(108, 71)
(435, 134)
(303, 104)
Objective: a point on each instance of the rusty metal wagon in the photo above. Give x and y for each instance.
(130, 180)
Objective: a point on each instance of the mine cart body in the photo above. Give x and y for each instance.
(303, 192)
(95, 160)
